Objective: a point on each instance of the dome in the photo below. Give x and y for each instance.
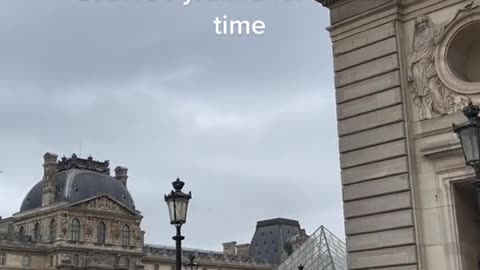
(74, 184)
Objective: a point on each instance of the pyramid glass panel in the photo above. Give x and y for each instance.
(322, 251)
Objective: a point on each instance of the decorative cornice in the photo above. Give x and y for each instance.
(326, 3)
(75, 162)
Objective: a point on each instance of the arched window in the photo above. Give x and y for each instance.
(53, 230)
(125, 235)
(76, 259)
(36, 232)
(21, 231)
(101, 232)
(75, 230)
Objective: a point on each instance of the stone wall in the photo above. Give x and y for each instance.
(372, 136)
(400, 162)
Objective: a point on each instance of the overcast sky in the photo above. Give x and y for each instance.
(248, 122)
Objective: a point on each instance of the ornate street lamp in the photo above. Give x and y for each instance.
(177, 202)
(469, 135)
(192, 265)
(300, 267)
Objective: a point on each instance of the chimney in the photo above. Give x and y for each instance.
(49, 172)
(229, 248)
(121, 175)
(242, 250)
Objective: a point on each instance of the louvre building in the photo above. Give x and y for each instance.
(80, 217)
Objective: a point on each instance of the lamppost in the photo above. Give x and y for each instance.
(192, 265)
(300, 267)
(469, 135)
(177, 202)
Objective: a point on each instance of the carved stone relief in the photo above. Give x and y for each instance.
(435, 95)
(430, 96)
(65, 227)
(105, 204)
(65, 259)
(137, 234)
(115, 231)
(88, 227)
(100, 259)
(49, 178)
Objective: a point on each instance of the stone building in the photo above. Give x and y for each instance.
(403, 71)
(80, 217)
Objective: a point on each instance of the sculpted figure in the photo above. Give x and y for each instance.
(430, 95)
(64, 226)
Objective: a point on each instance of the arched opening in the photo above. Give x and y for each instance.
(101, 232)
(125, 235)
(53, 230)
(463, 53)
(36, 232)
(75, 230)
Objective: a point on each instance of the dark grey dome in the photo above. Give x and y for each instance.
(75, 185)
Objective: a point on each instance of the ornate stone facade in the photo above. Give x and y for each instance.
(431, 96)
(80, 229)
(403, 70)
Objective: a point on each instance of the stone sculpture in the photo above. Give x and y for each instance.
(430, 95)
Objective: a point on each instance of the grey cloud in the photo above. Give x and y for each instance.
(249, 122)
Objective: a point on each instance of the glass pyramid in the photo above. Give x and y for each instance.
(322, 251)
